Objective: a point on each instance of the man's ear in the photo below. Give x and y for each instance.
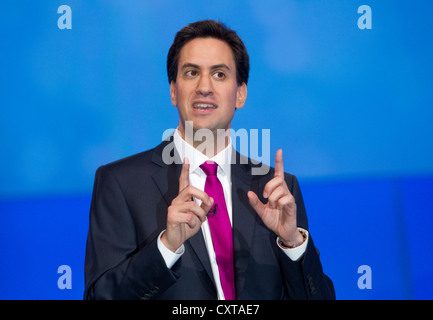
(173, 93)
(241, 95)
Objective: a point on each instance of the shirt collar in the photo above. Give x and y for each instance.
(196, 158)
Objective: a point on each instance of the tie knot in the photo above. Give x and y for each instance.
(210, 168)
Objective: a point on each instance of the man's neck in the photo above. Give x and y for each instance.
(207, 141)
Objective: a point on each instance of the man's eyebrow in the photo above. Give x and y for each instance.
(190, 65)
(195, 66)
(220, 66)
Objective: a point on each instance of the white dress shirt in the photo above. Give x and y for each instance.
(197, 178)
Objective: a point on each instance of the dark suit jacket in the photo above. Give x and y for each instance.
(129, 210)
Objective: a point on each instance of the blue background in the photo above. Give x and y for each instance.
(352, 109)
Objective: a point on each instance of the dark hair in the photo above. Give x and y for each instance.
(209, 29)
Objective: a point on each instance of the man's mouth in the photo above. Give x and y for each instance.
(203, 106)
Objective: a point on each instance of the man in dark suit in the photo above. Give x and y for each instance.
(151, 232)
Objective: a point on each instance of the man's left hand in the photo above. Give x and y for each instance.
(279, 213)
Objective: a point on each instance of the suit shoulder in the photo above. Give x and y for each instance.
(137, 163)
(131, 160)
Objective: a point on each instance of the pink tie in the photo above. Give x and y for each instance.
(220, 229)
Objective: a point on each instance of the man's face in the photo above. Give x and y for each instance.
(206, 91)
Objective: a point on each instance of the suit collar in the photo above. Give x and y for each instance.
(196, 158)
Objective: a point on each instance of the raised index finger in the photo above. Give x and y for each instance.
(279, 167)
(184, 175)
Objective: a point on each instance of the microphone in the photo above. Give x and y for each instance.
(212, 212)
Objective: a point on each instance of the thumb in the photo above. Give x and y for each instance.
(255, 202)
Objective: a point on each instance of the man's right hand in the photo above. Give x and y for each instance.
(184, 216)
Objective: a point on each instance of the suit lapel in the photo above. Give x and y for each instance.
(167, 180)
(244, 218)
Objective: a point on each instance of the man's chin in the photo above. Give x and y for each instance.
(202, 128)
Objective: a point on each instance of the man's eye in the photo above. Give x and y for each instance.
(191, 73)
(219, 75)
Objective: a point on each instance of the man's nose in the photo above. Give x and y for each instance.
(204, 85)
